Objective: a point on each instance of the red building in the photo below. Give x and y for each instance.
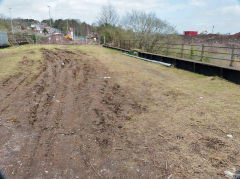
(237, 34)
(190, 32)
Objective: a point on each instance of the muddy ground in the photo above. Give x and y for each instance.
(70, 120)
(64, 120)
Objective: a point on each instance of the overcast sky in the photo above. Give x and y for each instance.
(183, 14)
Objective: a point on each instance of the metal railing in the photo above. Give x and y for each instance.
(220, 55)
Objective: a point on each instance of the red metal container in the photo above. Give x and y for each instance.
(190, 32)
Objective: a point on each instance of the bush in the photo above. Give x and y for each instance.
(33, 37)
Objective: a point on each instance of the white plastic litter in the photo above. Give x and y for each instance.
(229, 174)
(63, 63)
(230, 136)
(107, 77)
(145, 59)
(234, 169)
(57, 101)
(201, 97)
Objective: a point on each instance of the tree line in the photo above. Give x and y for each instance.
(147, 28)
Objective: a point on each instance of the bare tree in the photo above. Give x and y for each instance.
(4, 23)
(108, 16)
(147, 27)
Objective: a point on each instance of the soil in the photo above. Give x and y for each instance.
(66, 122)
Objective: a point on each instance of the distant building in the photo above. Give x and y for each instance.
(54, 31)
(190, 32)
(39, 28)
(237, 34)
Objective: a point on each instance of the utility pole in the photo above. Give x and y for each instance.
(73, 33)
(67, 26)
(10, 11)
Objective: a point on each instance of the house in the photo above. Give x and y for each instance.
(38, 28)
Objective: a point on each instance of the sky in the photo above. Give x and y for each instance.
(184, 15)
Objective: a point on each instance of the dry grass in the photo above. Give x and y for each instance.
(10, 59)
(217, 93)
(199, 110)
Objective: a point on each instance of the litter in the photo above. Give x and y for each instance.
(107, 77)
(230, 136)
(57, 101)
(63, 63)
(229, 174)
(145, 59)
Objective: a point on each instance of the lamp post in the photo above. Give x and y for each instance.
(10, 11)
(49, 15)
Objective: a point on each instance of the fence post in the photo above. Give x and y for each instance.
(167, 50)
(129, 45)
(232, 56)
(182, 50)
(192, 51)
(202, 53)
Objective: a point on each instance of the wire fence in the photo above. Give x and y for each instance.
(219, 55)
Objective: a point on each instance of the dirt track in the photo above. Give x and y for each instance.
(64, 120)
